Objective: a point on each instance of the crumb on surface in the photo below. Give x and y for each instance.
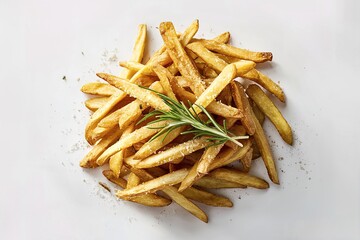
(105, 186)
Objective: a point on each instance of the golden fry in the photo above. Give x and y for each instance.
(271, 111)
(97, 88)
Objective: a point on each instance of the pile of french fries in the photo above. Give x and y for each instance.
(180, 168)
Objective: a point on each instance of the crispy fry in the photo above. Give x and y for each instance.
(94, 104)
(243, 105)
(233, 175)
(173, 153)
(135, 91)
(229, 156)
(151, 200)
(215, 88)
(225, 95)
(258, 113)
(135, 66)
(265, 151)
(218, 64)
(208, 156)
(180, 58)
(164, 76)
(190, 178)
(207, 198)
(211, 182)
(266, 83)
(116, 161)
(271, 111)
(90, 159)
(152, 186)
(237, 52)
(246, 160)
(97, 88)
(214, 107)
(132, 181)
(134, 137)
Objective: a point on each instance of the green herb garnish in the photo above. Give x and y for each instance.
(179, 115)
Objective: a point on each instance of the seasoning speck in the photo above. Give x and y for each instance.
(64, 78)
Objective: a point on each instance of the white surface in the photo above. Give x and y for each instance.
(45, 195)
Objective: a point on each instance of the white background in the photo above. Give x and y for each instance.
(45, 195)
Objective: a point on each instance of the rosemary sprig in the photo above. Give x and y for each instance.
(179, 115)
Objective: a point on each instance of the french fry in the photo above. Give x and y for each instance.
(265, 151)
(138, 50)
(152, 146)
(209, 155)
(180, 58)
(151, 200)
(246, 160)
(97, 88)
(258, 113)
(243, 105)
(227, 49)
(90, 159)
(211, 182)
(94, 104)
(256, 152)
(173, 153)
(271, 111)
(225, 96)
(135, 66)
(175, 196)
(218, 64)
(134, 90)
(164, 76)
(236, 176)
(134, 137)
(154, 185)
(116, 161)
(207, 198)
(215, 87)
(229, 156)
(190, 178)
(132, 181)
(214, 107)
(266, 83)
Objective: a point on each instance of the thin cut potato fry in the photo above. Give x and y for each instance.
(215, 62)
(134, 90)
(233, 175)
(138, 50)
(173, 193)
(211, 182)
(155, 184)
(246, 160)
(258, 113)
(222, 38)
(100, 132)
(225, 95)
(229, 156)
(227, 49)
(265, 151)
(190, 178)
(134, 137)
(214, 107)
(271, 111)
(265, 82)
(243, 105)
(180, 58)
(97, 88)
(208, 156)
(151, 200)
(116, 161)
(90, 159)
(185, 203)
(135, 66)
(173, 153)
(207, 198)
(164, 76)
(152, 146)
(215, 87)
(132, 180)
(94, 104)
